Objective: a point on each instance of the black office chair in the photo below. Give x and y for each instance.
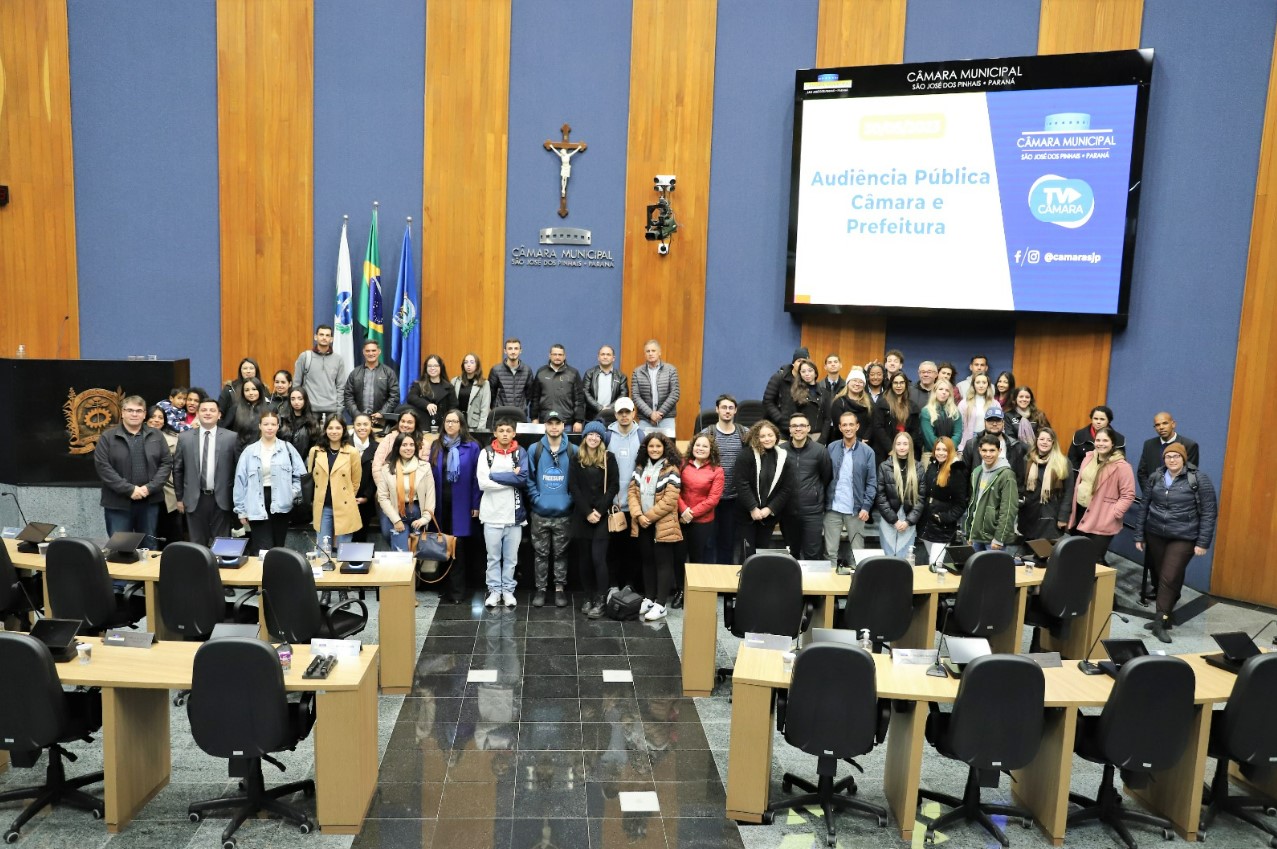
(768, 600)
(518, 414)
(192, 599)
(984, 605)
(293, 610)
(18, 596)
(995, 727)
(1066, 589)
(37, 714)
(750, 413)
(239, 711)
(880, 599)
(1144, 727)
(1244, 732)
(705, 419)
(830, 711)
(80, 587)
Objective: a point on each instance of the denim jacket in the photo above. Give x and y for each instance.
(286, 467)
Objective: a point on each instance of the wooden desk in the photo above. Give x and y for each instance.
(136, 753)
(705, 582)
(396, 614)
(1042, 786)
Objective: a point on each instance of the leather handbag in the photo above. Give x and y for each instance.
(436, 546)
(616, 521)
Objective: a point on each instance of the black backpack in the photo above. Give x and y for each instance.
(624, 606)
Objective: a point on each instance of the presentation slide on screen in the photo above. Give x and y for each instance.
(1007, 200)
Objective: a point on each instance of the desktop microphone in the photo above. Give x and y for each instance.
(330, 564)
(936, 567)
(937, 669)
(22, 515)
(1271, 622)
(1085, 664)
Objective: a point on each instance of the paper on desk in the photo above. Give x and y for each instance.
(815, 567)
(913, 657)
(340, 648)
(394, 558)
(1045, 659)
(769, 642)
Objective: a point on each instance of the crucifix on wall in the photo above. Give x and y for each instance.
(565, 150)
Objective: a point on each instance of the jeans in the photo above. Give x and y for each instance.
(665, 426)
(399, 541)
(503, 553)
(896, 543)
(804, 533)
(835, 523)
(326, 530)
(140, 518)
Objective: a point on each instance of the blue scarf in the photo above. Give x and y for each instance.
(453, 467)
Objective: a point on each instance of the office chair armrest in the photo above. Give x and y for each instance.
(808, 609)
(782, 707)
(131, 589)
(238, 604)
(729, 612)
(328, 614)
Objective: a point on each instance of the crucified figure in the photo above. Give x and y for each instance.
(565, 150)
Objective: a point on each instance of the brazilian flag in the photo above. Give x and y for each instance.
(370, 304)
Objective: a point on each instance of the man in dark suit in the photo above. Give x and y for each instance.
(204, 475)
(1151, 456)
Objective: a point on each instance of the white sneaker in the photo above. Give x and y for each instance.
(508, 599)
(493, 599)
(657, 612)
(647, 605)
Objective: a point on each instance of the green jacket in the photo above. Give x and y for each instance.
(991, 517)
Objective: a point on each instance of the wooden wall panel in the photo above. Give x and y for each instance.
(854, 32)
(38, 283)
(464, 191)
(1245, 566)
(1068, 364)
(671, 121)
(265, 150)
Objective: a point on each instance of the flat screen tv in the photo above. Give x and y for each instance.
(998, 185)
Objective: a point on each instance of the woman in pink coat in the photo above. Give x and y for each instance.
(1105, 490)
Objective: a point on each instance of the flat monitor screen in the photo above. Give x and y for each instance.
(998, 185)
(229, 547)
(36, 532)
(355, 552)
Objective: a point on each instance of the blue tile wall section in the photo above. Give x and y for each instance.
(937, 30)
(1210, 80)
(747, 331)
(569, 63)
(370, 76)
(144, 129)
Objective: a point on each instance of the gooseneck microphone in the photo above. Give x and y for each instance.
(17, 504)
(1085, 664)
(937, 670)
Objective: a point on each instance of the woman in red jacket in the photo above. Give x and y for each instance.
(1105, 490)
(702, 488)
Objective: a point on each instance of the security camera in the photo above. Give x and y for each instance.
(663, 248)
(664, 182)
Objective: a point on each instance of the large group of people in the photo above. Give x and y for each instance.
(926, 461)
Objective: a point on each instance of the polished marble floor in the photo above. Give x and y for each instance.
(512, 737)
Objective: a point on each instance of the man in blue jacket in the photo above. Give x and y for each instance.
(851, 489)
(549, 462)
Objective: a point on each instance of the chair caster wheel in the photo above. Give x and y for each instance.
(1271, 811)
(832, 841)
(195, 816)
(929, 838)
(229, 843)
(1167, 834)
(769, 818)
(1273, 842)
(97, 814)
(11, 837)
(882, 822)
(1026, 823)
(305, 827)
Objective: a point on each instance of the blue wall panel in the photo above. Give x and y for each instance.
(1210, 79)
(585, 85)
(937, 30)
(370, 73)
(747, 332)
(144, 129)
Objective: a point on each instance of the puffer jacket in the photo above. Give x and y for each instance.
(888, 499)
(943, 506)
(1176, 512)
(664, 512)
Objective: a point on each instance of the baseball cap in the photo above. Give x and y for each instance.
(623, 404)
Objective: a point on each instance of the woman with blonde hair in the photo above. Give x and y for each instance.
(940, 417)
(899, 499)
(594, 481)
(764, 481)
(1048, 489)
(980, 397)
(1104, 491)
(944, 495)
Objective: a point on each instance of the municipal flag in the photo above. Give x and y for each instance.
(405, 338)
